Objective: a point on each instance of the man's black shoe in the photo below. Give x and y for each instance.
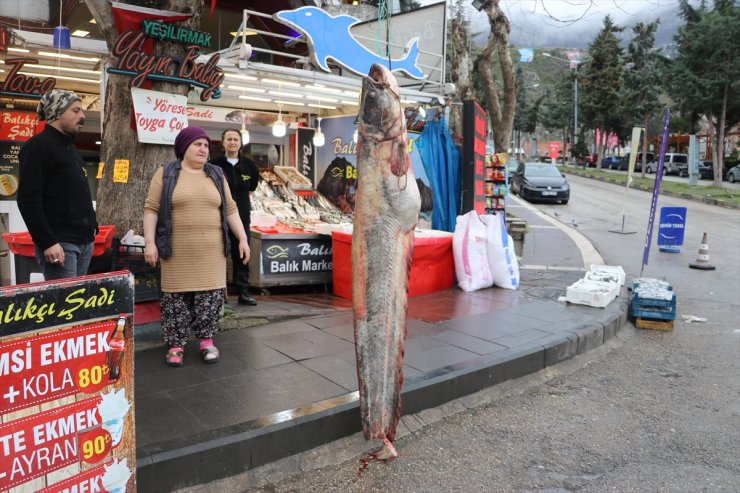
(245, 299)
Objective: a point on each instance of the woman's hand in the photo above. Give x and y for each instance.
(244, 250)
(151, 254)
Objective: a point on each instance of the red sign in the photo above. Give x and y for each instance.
(553, 149)
(88, 481)
(52, 366)
(479, 157)
(19, 126)
(44, 442)
(23, 85)
(66, 385)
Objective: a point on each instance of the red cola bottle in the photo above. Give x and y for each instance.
(117, 344)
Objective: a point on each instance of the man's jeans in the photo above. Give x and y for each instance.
(77, 258)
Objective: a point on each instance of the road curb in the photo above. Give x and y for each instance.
(218, 454)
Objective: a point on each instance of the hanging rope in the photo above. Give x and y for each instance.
(384, 27)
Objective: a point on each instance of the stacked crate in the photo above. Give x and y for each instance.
(653, 304)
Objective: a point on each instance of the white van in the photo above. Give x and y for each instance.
(672, 163)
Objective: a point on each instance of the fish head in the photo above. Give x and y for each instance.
(306, 19)
(381, 114)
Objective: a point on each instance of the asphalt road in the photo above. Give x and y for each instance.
(650, 411)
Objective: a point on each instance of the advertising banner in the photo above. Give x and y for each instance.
(306, 154)
(67, 385)
(159, 116)
(553, 150)
(336, 171)
(473, 158)
(9, 169)
(656, 189)
(19, 126)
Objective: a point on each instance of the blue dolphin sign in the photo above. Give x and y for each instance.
(329, 36)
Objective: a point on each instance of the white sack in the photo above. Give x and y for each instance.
(501, 255)
(469, 251)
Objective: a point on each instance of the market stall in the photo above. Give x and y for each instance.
(289, 224)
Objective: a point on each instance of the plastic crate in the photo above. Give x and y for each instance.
(22, 243)
(146, 277)
(598, 294)
(654, 309)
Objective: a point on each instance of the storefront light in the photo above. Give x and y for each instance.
(351, 103)
(245, 88)
(318, 137)
(63, 77)
(322, 98)
(239, 76)
(68, 57)
(278, 128)
(324, 106)
(317, 87)
(255, 98)
(289, 103)
(286, 94)
(281, 82)
(65, 69)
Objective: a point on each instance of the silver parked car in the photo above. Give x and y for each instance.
(734, 174)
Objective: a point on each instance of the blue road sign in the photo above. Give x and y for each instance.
(671, 228)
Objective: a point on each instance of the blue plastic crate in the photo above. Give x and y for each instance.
(651, 308)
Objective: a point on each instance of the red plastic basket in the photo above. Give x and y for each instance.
(22, 244)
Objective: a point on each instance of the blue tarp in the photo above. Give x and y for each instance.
(442, 164)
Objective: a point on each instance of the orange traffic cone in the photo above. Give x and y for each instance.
(702, 260)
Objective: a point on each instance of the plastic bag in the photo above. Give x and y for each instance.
(469, 251)
(501, 255)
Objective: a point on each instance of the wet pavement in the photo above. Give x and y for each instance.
(286, 381)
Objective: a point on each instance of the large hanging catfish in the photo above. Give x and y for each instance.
(386, 210)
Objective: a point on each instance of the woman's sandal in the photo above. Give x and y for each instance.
(175, 356)
(210, 353)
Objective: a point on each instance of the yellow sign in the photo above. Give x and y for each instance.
(120, 171)
(101, 165)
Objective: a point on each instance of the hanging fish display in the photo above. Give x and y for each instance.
(386, 210)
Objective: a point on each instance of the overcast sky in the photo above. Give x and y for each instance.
(573, 23)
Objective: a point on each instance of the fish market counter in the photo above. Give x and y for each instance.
(289, 259)
(432, 266)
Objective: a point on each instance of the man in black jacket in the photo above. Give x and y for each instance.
(53, 194)
(243, 176)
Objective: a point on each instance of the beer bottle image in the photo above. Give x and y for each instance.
(117, 344)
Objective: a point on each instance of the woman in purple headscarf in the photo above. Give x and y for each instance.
(187, 215)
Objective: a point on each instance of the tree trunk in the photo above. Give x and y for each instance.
(719, 163)
(460, 74)
(121, 204)
(502, 118)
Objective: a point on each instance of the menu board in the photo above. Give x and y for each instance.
(9, 169)
(67, 385)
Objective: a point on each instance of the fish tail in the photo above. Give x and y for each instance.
(408, 63)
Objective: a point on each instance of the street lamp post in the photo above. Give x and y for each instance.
(575, 63)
